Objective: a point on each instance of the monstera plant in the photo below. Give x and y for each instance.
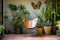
(18, 12)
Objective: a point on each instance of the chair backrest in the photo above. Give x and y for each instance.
(30, 23)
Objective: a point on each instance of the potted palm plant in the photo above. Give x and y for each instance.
(39, 26)
(47, 28)
(46, 19)
(41, 21)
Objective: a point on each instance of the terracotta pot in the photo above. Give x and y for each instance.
(47, 30)
(39, 31)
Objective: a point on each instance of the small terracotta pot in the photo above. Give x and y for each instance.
(47, 30)
(39, 31)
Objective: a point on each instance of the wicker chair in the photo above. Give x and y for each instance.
(30, 26)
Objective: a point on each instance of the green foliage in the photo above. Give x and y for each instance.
(19, 13)
(45, 18)
(13, 7)
(1, 28)
(58, 24)
(17, 22)
(21, 7)
(55, 11)
(40, 23)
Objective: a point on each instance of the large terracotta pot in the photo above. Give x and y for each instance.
(39, 31)
(47, 30)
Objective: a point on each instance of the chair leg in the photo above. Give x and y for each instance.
(32, 31)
